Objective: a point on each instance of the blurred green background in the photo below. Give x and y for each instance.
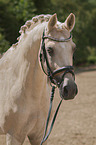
(14, 13)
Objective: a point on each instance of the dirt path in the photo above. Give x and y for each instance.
(76, 122)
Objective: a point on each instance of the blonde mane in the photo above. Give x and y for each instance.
(24, 32)
(30, 24)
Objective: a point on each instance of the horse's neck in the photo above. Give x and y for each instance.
(22, 64)
(36, 79)
(32, 53)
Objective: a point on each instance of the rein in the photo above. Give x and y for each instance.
(46, 135)
(51, 75)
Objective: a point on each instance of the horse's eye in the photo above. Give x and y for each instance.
(50, 50)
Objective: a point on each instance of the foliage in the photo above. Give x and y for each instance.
(92, 56)
(4, 44)
(13, 14)
(23, 9)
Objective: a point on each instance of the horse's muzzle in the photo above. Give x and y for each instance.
(68, 89)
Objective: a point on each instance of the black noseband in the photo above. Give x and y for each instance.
(52, 74)
(64, 70)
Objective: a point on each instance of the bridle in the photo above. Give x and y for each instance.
(51, 75)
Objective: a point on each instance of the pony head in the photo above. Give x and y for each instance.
(59, 49)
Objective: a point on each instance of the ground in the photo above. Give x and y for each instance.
(76, 121)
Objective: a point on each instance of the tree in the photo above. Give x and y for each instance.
(4, 44)
(23, 9)
(13, 15)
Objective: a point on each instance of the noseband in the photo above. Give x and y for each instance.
(52, 74)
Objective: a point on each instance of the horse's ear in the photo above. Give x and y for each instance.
(70, 22)
(52, 22)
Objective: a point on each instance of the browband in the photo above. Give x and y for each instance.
(56, 39)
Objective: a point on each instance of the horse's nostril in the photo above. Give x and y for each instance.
(66, 91)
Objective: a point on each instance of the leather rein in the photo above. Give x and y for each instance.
(51, 75)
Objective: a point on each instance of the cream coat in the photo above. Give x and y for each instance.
(24, 91)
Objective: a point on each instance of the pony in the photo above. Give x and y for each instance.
(24, 88)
